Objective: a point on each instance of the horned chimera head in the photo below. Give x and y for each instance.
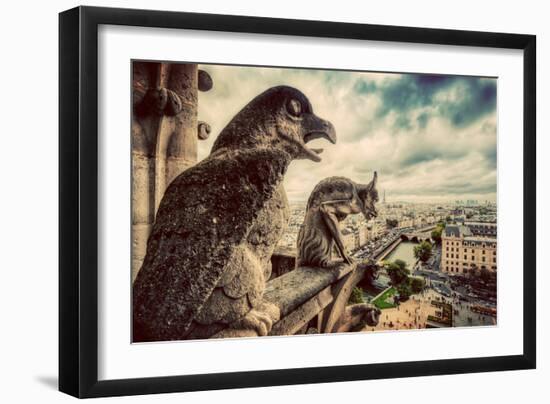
(280, 117)
(369, 196)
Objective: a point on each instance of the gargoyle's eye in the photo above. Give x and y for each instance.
(294, 107)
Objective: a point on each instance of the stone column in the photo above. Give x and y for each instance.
(145, 127)
(165, 132)
(181, 147)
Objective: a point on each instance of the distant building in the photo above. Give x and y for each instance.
(483, 229)
(350, 239)
(458, 212)
(363, 235)
(378, 228)
(405, 222)
(462, 250)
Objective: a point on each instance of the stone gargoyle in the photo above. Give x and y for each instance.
(208, 255)
(331, 201)
(358, 316)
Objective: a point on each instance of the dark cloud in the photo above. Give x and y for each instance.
(477, 100)
(491, 156)
(416, 131)
(403, 122)
(421, 156)
(433, 80)
(422, 120)
(461, 100)
(365, 86)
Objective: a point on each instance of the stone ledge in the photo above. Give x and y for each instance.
(301, 316)
(300, 295)
(294, 288)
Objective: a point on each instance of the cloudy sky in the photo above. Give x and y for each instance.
(431, 138)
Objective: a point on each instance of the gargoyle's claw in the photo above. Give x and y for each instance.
(259, 320)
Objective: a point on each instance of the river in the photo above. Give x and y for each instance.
(404, 251)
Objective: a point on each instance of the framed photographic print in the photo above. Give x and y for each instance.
(250, 201)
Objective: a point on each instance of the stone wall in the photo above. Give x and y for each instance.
(165, 132)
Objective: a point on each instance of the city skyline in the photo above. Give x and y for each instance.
(389, 201)
(219, 249)
(431, 138)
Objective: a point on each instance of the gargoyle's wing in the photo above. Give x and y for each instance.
(204, 215)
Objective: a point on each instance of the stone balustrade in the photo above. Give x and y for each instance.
(311, 300)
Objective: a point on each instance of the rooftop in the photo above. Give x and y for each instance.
(481, 239)
(468, 223)
(457, 231)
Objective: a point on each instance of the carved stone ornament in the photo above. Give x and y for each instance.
(331, 201)
(208, 255)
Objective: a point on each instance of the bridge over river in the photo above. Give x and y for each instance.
(401, 247)
(418, 236)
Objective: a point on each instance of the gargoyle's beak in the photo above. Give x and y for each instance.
(317, 128)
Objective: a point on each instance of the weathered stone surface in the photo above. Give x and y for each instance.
(182, 142)
(300, 316)
(142, 179)
(164, 136)
(229, 205)
(356, 316)
(221, 308)
(143, 78)
(341, 292)
(136, 265)
(330, 202)
(294, 288)
(203, 130)
(257, 322)
(175, 166)
(205, 81)
(139, 239)
(183, 80)
(246, 278)
(298, 297)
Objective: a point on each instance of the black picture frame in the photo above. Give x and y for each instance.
(78, 201)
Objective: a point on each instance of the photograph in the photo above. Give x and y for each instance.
(274, 202)
(281, 201)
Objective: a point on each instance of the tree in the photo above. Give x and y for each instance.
(405, 291)
(417, 284)
(423, 251)
(401, 264)
(397, 271)
(436, 233)
(400, 279)
(356, 296)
